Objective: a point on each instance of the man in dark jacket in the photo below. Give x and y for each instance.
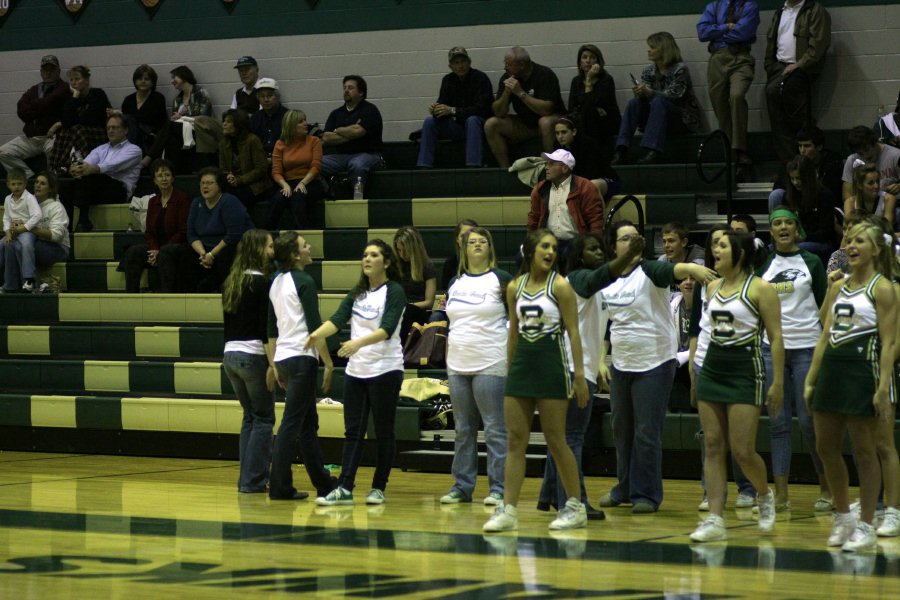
(39, 108)
(566, 204)
(463, 104)
(796, 43)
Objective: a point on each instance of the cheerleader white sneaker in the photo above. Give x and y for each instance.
(505, 518)
(766, 511)
(843, 526)
(571, 516)
(711, 529)
(890, 526)
(862, 539)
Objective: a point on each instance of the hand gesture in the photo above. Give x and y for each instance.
(151, 257)
(348, 348)
(513, 86)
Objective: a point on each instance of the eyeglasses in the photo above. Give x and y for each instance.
(627, 238)
(478, 243)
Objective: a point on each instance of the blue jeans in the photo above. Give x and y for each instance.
(443, 129)
(356, 165)
(300, 422)
(247, 374)
(378, 395)
(743, 484)
(577, 419)
(17, 260)
(658, 117)
(796, 366)
(476, 398)
(638, 401)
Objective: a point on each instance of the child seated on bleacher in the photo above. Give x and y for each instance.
(21, 212)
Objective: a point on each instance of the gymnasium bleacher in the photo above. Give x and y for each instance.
(96, 370)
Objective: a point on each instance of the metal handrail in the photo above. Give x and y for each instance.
(640, 211)
(727, 170)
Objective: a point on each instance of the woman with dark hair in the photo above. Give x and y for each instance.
(293, 313)
(417, 276)
(731, 385)
(587, 274)
(699, 344)
(374, 370)
(868, 195)
(663, 103)
(245, 302)
(476, 366)
(191, 102)
(296, 163)
(215, 224)
(542, 307)
(242, 159)
(798, 278)
(643, 341)
(83, 124)
(145, 111)
(165, 238)
(589, 160)
(814, 204)
(592, 98)
(849, 384)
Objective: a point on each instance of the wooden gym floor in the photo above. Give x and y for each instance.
(85, 526)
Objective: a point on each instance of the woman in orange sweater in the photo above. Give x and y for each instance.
(296, 161)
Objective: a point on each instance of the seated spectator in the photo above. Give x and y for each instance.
(21, 214)
(677, 247)
(145, 111)
(107, 175)
(165, 239)
(190, 103)
(245, 96)
(682, 303)
(242, 159)
(592, 100)
(52, 231)
(532, 90)
(354, 132)
(81, 127)
(564, 203)
(829, 166)
(590, 161)
(417, 276)
(39, 108)
(887, 129)
(216, 223)
(663, 103)
(463, 104)
(807, 197)
(266, 122)
(296, 163)
(868, 195)
(867, 149)
(838, 260)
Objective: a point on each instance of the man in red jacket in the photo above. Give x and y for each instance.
(566, 204)
(40, 107)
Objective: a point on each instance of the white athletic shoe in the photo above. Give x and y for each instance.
(571, 516)
(744, 501)
(453, 497)
(766, 511)
(862, 539)
(856, 507)
(505, 518)
(711, 529)
(375, 496)
(890, 525)
(843, 526)
(704, 504)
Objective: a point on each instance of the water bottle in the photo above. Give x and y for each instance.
(358, 189)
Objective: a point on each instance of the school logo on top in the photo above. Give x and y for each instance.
(784, 280)
(367, 312)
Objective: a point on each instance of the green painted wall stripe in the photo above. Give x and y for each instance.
(44, 23)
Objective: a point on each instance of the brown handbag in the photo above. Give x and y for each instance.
(426, 345)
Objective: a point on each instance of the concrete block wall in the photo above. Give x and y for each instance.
(403, 67)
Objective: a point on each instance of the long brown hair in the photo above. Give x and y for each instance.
(411, 239)
(249, 256)
(390, 267)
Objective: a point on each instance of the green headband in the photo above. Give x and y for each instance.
(784, 213)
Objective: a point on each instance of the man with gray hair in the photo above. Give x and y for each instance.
(39, 108)
(532, 90)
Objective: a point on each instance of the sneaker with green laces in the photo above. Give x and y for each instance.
(454, 497)
(493, 499)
